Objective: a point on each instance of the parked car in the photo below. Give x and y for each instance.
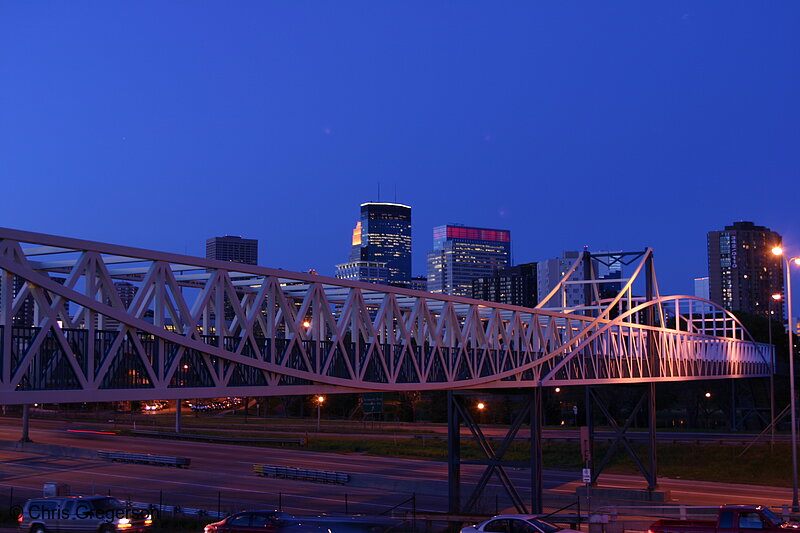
(78, 514)
(516, 523)
(730, 519)
(269, 521)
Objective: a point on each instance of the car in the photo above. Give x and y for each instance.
(516, 523)
(262, 521)
(268, 521)
(81, 514)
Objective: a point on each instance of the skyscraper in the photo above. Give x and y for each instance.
(233, 248)
(462, 253)
(742, 271)
(514, 285)
(126, 292)
(701, 288)
(383, 235)
(551, 271)
(25, 314)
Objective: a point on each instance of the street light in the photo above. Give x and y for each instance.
(481, 408)
(775, 298)
(320, 400)
(787, 272)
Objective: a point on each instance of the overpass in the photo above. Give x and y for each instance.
(203, 328)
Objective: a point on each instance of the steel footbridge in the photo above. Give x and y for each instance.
(203, 328)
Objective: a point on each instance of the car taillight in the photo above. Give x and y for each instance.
(20, 518)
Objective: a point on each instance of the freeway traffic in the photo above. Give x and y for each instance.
(221, 477)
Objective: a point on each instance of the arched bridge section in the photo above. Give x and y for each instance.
(89, 321)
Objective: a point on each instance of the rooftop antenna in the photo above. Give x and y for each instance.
(395, 193)
(379, 192)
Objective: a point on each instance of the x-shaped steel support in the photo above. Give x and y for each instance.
(621, 439)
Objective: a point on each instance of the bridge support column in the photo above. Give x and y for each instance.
(536, 450)
(645, 404)
(652, 480)
(453, 456)
(26, 420)
(459, 411)
(178, 416)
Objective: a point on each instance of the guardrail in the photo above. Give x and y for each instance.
(301, 474)
(144, 458)
(214, 438)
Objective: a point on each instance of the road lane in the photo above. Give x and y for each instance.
(224, 471)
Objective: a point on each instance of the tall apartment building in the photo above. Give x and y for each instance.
(463, 253)
(514, 285)
(383, 235)
(742, 271)
(551, 271)
(25, 314)
(126, 292)
(233, 248)
(701, 288)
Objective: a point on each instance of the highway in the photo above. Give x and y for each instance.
(221, 476)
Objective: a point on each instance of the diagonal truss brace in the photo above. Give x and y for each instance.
(620, 438)
(493, 458)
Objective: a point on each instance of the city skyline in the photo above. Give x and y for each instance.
(614, 127)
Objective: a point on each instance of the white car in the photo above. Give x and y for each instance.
(516, 523)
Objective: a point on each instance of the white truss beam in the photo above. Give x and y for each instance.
(202, 328)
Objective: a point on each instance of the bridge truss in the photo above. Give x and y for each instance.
(202, 328)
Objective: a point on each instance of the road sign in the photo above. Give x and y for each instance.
(587, 475)
(372, 403)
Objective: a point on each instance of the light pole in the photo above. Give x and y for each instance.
(775, 297)
(787, 272)
(320, 400)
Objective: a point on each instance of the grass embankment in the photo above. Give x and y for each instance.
(759, 465)
(721, 463)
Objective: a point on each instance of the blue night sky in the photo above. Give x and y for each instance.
(617, 125)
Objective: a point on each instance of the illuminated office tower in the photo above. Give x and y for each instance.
(383, 235)
(462, 254)
(742, 271)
